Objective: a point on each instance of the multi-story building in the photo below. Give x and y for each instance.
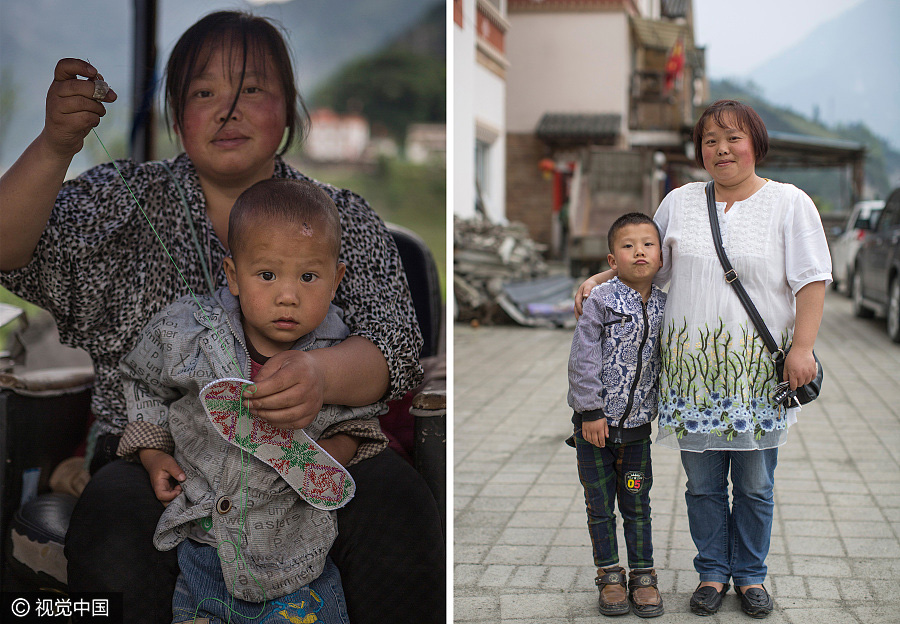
(479, 107)
(600, 101)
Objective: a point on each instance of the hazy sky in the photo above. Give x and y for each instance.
(739, 36)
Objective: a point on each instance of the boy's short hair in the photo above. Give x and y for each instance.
(631, 218)
(297, 202)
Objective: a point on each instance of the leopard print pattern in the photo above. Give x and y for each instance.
(101, 272)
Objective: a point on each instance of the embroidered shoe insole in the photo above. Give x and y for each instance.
(316, 476)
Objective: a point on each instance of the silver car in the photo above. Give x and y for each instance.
(844, 249)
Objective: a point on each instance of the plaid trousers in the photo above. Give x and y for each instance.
(620, 472)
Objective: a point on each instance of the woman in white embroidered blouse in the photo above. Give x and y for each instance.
(717, 375)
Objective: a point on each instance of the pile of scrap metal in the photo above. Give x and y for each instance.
(499, 274)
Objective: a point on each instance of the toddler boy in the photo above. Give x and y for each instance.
(252, 541)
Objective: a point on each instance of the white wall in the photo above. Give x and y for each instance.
(337, 138)
(463, 113)
(490, 121)
(479, 100)
(569, 62)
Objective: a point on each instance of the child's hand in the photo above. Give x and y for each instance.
(162, 468)
(290, 390)
(595, 431)
(71, 109)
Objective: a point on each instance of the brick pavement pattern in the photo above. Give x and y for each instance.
(521, 547)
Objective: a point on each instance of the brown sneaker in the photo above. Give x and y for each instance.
(644, 594)
(613, 592)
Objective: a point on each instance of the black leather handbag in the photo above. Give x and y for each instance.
(783, 394)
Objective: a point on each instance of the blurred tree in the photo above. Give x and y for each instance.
(392, 89)
(7, 100)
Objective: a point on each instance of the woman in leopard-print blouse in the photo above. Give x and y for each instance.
(99, 269)
(84, 251)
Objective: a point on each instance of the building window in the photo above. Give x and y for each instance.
(482, 166)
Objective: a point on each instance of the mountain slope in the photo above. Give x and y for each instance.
(402, 83)
(35, 34)
(845, 71)
(324, 39)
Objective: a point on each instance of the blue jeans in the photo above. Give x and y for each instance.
(623, 473)
(732, 540)
(201, 592)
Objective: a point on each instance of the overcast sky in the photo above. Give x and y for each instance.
(739, 36)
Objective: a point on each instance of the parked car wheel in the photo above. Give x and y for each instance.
(893, 310)
(859, 308)
(847, 288)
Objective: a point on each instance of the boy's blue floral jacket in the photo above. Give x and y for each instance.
(615, 361)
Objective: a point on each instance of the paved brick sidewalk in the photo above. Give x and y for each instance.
(522, 552)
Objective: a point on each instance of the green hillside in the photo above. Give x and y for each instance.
(402, 83)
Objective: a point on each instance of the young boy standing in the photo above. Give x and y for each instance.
(614, 370)
(252, 530)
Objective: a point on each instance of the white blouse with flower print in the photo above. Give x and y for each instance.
(717, 375)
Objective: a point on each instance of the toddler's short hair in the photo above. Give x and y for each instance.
(276, 200)
(630, 218)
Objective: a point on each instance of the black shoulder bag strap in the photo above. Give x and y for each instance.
(783, 394)
(731, 277)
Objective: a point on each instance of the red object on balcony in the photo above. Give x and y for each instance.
(674, 64)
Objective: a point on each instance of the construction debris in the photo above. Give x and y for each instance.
(499, 274)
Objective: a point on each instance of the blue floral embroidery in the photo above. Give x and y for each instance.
(716, 385)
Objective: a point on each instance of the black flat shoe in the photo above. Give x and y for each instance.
(706, 600)
(756, 602)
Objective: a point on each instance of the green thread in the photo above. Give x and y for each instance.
(237, 547)
(187, 213)
(726, 372)
(166, 249)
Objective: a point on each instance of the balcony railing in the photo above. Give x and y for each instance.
(651, 107)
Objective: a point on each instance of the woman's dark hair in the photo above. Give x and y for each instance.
(247, 35)
(746, 118)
